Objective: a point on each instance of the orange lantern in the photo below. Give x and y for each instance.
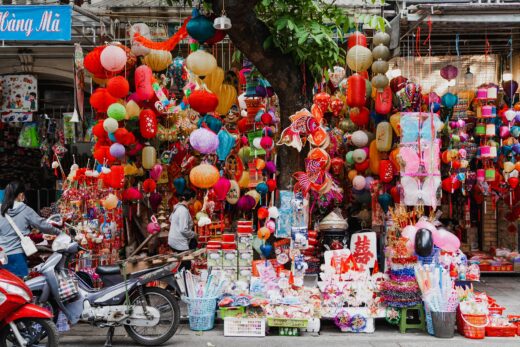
(263, 233)
(204, 176)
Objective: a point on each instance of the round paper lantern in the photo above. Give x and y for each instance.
(201, 63)
(101, 99)
(116, 111)
(92, 62)
(149, 185)
(449, 72)
(158, 60)
(271, 184)
(204, 176)
(381, 38)
(270, 167)
(379, 81)
(204, 141)
(359, 138)
(262, 213)
(143, 83)
(380, 66)
(233, 193)
(148, 124)
(113, 58)
(118, 87)
(359, 155)
(117, 150)
(200, 27)
(356, 89)
(266, 143)
(246, 203)
(322, 100)
(221, 188)
(203, 101)
(110, 202)
(360, 116)
(359, 58)
(262, 188)
(149, 157)
(356, 38)
(359, 182)
(380, 52)
(132, 109)
(110, 125)
(121, 136)
(132, 194)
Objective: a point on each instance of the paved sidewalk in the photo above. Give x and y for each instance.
(504, 289)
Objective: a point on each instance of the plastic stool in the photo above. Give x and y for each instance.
(403, 323)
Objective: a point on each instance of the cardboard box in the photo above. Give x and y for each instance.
(214, 257)
(245, 258)
(229, 258)
(245, 242)
(231, 273)
(245, 273)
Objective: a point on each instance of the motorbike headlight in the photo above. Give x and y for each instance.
(15, 290)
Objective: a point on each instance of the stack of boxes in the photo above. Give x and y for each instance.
(233, 254)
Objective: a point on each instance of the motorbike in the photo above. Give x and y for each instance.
(22, 323)
(149, 314)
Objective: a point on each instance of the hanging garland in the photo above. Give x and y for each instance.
(167, 45)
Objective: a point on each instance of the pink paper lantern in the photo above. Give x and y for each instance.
(204, 141)
(113, 58)
(221, 188)
(156, 171)
(449, 72)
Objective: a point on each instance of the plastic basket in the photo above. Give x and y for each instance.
(515, 319)
(231, 311)
(201, 312)
(501, 331)
(287, 323)
(474, 325)
(244, 327)
(496, 310)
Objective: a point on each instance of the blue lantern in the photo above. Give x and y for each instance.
(226, 142)
(200, 27)
(449, 100)
(180, 185)
(385, 200)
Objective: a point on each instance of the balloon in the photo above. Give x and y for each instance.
(117, 150)
(113, 58)
(423, 224)
(423, 242)
(266, 250)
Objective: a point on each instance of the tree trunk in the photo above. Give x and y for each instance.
(291, 83)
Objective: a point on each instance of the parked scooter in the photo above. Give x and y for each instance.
(22, 323)
(150, 315)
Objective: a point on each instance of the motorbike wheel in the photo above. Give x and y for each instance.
(37, 332)
(167, 305)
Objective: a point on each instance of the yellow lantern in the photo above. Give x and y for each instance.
(132, 110)
(158, 60)
(204, 176)
(243, 182)
(201, 63)
(215, 79)
(359, 58)
(395, 121)
(352, 174)
(384, 137)
(149, 157)
(263, 233)
(110, 202)
(227, 96)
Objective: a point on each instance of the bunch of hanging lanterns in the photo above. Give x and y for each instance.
(380, 54)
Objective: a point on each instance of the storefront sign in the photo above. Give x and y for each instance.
(35, 22)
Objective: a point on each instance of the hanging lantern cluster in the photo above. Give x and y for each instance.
(380, 54)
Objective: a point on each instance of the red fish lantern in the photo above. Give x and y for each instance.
(322, 100)
(384, 101)
(148, 124)
(356, 91)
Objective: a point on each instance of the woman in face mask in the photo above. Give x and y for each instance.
(25, 218)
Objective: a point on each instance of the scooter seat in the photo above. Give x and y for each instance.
(108, 270)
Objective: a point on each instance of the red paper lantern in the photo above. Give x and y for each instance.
(262, 213)
(92, 63)
(148, 123)
(356, 91)
(386, 171)
(360, 116)
(101, 99)
(116, 177)
(118, 87)
(357, 38)
(271, 185)
(322, 100)
(513, 182)
(132, 194)
(450, 184)
(363, 166)
(121, 136)
(149, 185)
(243, 125)
(203, 101)
(396, 196)
(102, 154)
(384, 101)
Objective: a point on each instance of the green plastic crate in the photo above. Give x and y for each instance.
(231, 311)
(287, 323)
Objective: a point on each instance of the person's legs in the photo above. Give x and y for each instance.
(184, 264)
(17, 264)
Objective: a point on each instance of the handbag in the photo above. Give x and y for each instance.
(28, 245)
(67, 287)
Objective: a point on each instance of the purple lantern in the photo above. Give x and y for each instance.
(204, 141)
(117, 150)
(510, 88)
(449, 72)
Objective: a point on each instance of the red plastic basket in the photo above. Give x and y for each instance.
(515, 319)
(495, 309)
(501, 331)
(474, 325)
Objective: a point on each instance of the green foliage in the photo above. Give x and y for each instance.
(311, 30)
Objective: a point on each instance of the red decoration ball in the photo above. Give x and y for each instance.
(266, 119)
(271, 185)
(92, 62)
(149, 185)
(101, 99)
(362, 167)
(262, 213)
(118, 87)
